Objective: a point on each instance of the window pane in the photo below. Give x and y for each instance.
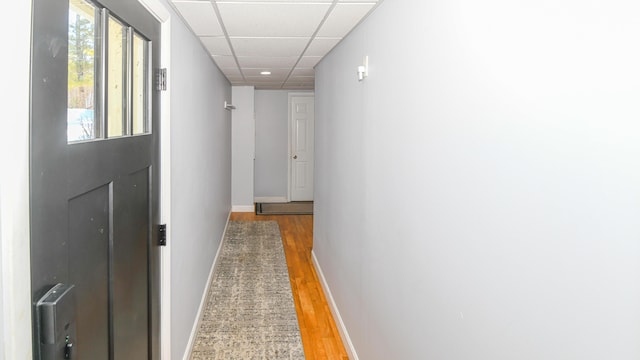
(115, 80)
(140, 81)
(81, 117)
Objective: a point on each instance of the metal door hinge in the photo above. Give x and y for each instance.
(161, 79)
(162, 235)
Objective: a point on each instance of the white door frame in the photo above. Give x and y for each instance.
(163, 15)
(290, 136)
(15, 256)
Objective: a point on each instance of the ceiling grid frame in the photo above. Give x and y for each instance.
(226, 36)
(274, 44)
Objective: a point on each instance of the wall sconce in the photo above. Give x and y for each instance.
(363, 70)
(228, 106)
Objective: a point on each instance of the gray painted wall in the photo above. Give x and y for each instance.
(272, 143)
(200, 177)
(489, 206)
(243, 148)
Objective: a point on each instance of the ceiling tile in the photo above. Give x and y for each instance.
(277, 1)
(216, 45)
(321, 46)
(267, 62)
(309, 61)
(264, 81)
(271, 35)
(200, 16)
(296, 83)
(301, 80)
(269, 47)
(233, 73)
(288, 86)
(235, 78)
(248, 72)
(303, 72)
(225, 61)
(272, 19)
(298, 86)
(268, 86)
(343, 18)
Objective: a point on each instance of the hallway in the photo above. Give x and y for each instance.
(476, 178)
(320, 336)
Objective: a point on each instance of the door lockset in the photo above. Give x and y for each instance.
(68, 347)
(57, 323)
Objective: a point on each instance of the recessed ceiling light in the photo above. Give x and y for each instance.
(265, 73)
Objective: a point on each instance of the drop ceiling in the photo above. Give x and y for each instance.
(286, 38)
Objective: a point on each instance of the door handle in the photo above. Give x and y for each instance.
(67, 350)
(295, 157)
(57, 323)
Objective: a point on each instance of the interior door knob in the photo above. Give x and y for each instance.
(295, 156)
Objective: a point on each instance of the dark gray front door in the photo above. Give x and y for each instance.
(95, 183)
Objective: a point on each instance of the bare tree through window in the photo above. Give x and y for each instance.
(81, 71)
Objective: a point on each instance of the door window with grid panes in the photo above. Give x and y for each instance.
(108, 76)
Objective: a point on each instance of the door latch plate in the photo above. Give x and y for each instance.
(162, 235)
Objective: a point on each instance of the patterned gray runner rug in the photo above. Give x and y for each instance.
(249, 311)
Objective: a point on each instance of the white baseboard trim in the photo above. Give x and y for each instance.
(196, 325)
(342, 329)
(271, 199)
(243, 208)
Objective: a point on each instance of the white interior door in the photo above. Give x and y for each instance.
(301, 121)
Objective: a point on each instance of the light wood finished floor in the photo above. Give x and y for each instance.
(320, 336)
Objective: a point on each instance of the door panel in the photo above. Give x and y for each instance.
(94, 205)
(302, 123)
(301, 174)
(130, 296)
(301, 130)
(89, 223)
